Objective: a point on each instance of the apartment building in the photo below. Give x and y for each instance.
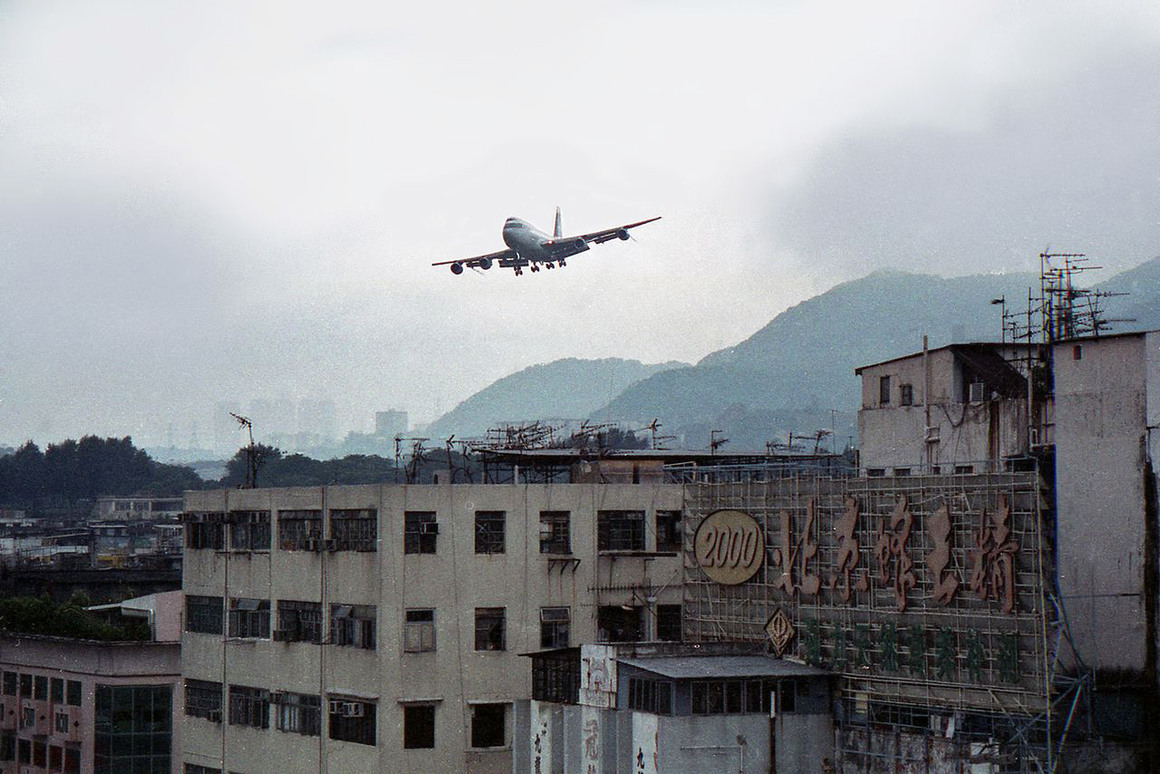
(379, 628)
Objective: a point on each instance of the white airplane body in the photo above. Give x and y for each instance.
(532, 248)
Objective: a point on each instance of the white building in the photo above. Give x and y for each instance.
(378, 628)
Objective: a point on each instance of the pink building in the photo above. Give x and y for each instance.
(86, 706)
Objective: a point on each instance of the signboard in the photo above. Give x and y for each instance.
(729, 547)
(897, 584)
(597, 676)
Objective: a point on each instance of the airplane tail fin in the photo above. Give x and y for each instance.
(559, 232)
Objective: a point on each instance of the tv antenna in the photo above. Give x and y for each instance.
(252, 456)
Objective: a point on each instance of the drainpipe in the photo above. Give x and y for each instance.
(926, 445)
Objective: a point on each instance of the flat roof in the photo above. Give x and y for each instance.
(695, 667)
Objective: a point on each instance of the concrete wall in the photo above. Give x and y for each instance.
(454, 582)
(1101, 414)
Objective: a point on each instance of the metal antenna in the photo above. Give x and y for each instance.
(252, 461)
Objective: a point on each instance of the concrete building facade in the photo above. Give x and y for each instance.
(378, 628)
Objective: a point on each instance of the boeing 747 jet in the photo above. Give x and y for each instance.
(532, 248)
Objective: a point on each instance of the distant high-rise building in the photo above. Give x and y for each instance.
(390, 423)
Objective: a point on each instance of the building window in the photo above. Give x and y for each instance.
(884, 390)
(964, 469)
(352, 720)
(875, 472)
(648, 695)
(419, 631)
(554, 532)
(615, 624)
(669, 623)
(1077, 352)
(300, 530)
(134, 728)
(57, 692)
(9, 683)
(554, 625)
(61, 722)
(299, 621)
(204, 530)
(620, 530)
(250, 530)
(25, 685)
(203, 699)
(488, 725)
(420, 532)
(203, 614)
(27, 716)
(906, 395)
(489, 628)
(74, 693)
(194, 768)
(556, 677)
(489, 532)
(418, 726)
(24, 750)
(40, 688)
(732, 697)
(902, 472)
(7, 746)
(354, 529)
(298, 713)
(249, 706)
(250, 618)
(353, 626)
(668, 531)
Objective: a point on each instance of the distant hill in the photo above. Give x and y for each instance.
(795, 374)
(791, 373)
(563, 389)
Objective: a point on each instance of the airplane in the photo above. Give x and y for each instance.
(530, 247)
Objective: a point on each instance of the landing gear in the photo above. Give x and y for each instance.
(562, 264)
(535, 267)
(519, 272)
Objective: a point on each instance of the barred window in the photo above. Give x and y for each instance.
(250, 530)
(299, 621)
(203, 614)
(620, 530)
(420, 532)
(554, 532)
(354, 529)
(203, 699)
(489, 532)
(352, 720)
(731, 697)
(554, 625)
(649, 695)
(298, 713)
(489, 629)
(297, 530)
(669, 623)
(353, 626)
(204, 530)
(249, 706)
(250, 618)
(668, 530)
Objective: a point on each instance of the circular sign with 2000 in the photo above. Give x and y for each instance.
(729, 547)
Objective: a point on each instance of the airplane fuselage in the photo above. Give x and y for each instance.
(533, 245)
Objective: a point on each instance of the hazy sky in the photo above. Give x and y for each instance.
(218, 201)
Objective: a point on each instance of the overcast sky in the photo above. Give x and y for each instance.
(206, 202)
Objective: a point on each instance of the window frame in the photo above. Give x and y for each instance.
(555, 630)
(420, 532)
(490, 532)
(419, 630)
(490, 629)
(620, 531)
(354, 529)
(556, 532)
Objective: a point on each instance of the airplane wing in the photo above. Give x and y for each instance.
(618, 232)
(504, 257)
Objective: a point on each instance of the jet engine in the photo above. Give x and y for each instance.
(457, 268)
(623, 233)
(484, 263)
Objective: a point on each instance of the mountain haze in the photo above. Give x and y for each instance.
(565, 389)
(795, 374)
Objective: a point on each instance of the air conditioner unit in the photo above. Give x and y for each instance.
(283, 635)
(351, 709)
(330, 544)
(336, 706)
(429, 528)
(932, 434)
(978, 392)
(313, 544)
(214, 716)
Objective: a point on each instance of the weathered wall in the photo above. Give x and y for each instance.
(1101, 444)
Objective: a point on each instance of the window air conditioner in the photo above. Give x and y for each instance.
(978, 392)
